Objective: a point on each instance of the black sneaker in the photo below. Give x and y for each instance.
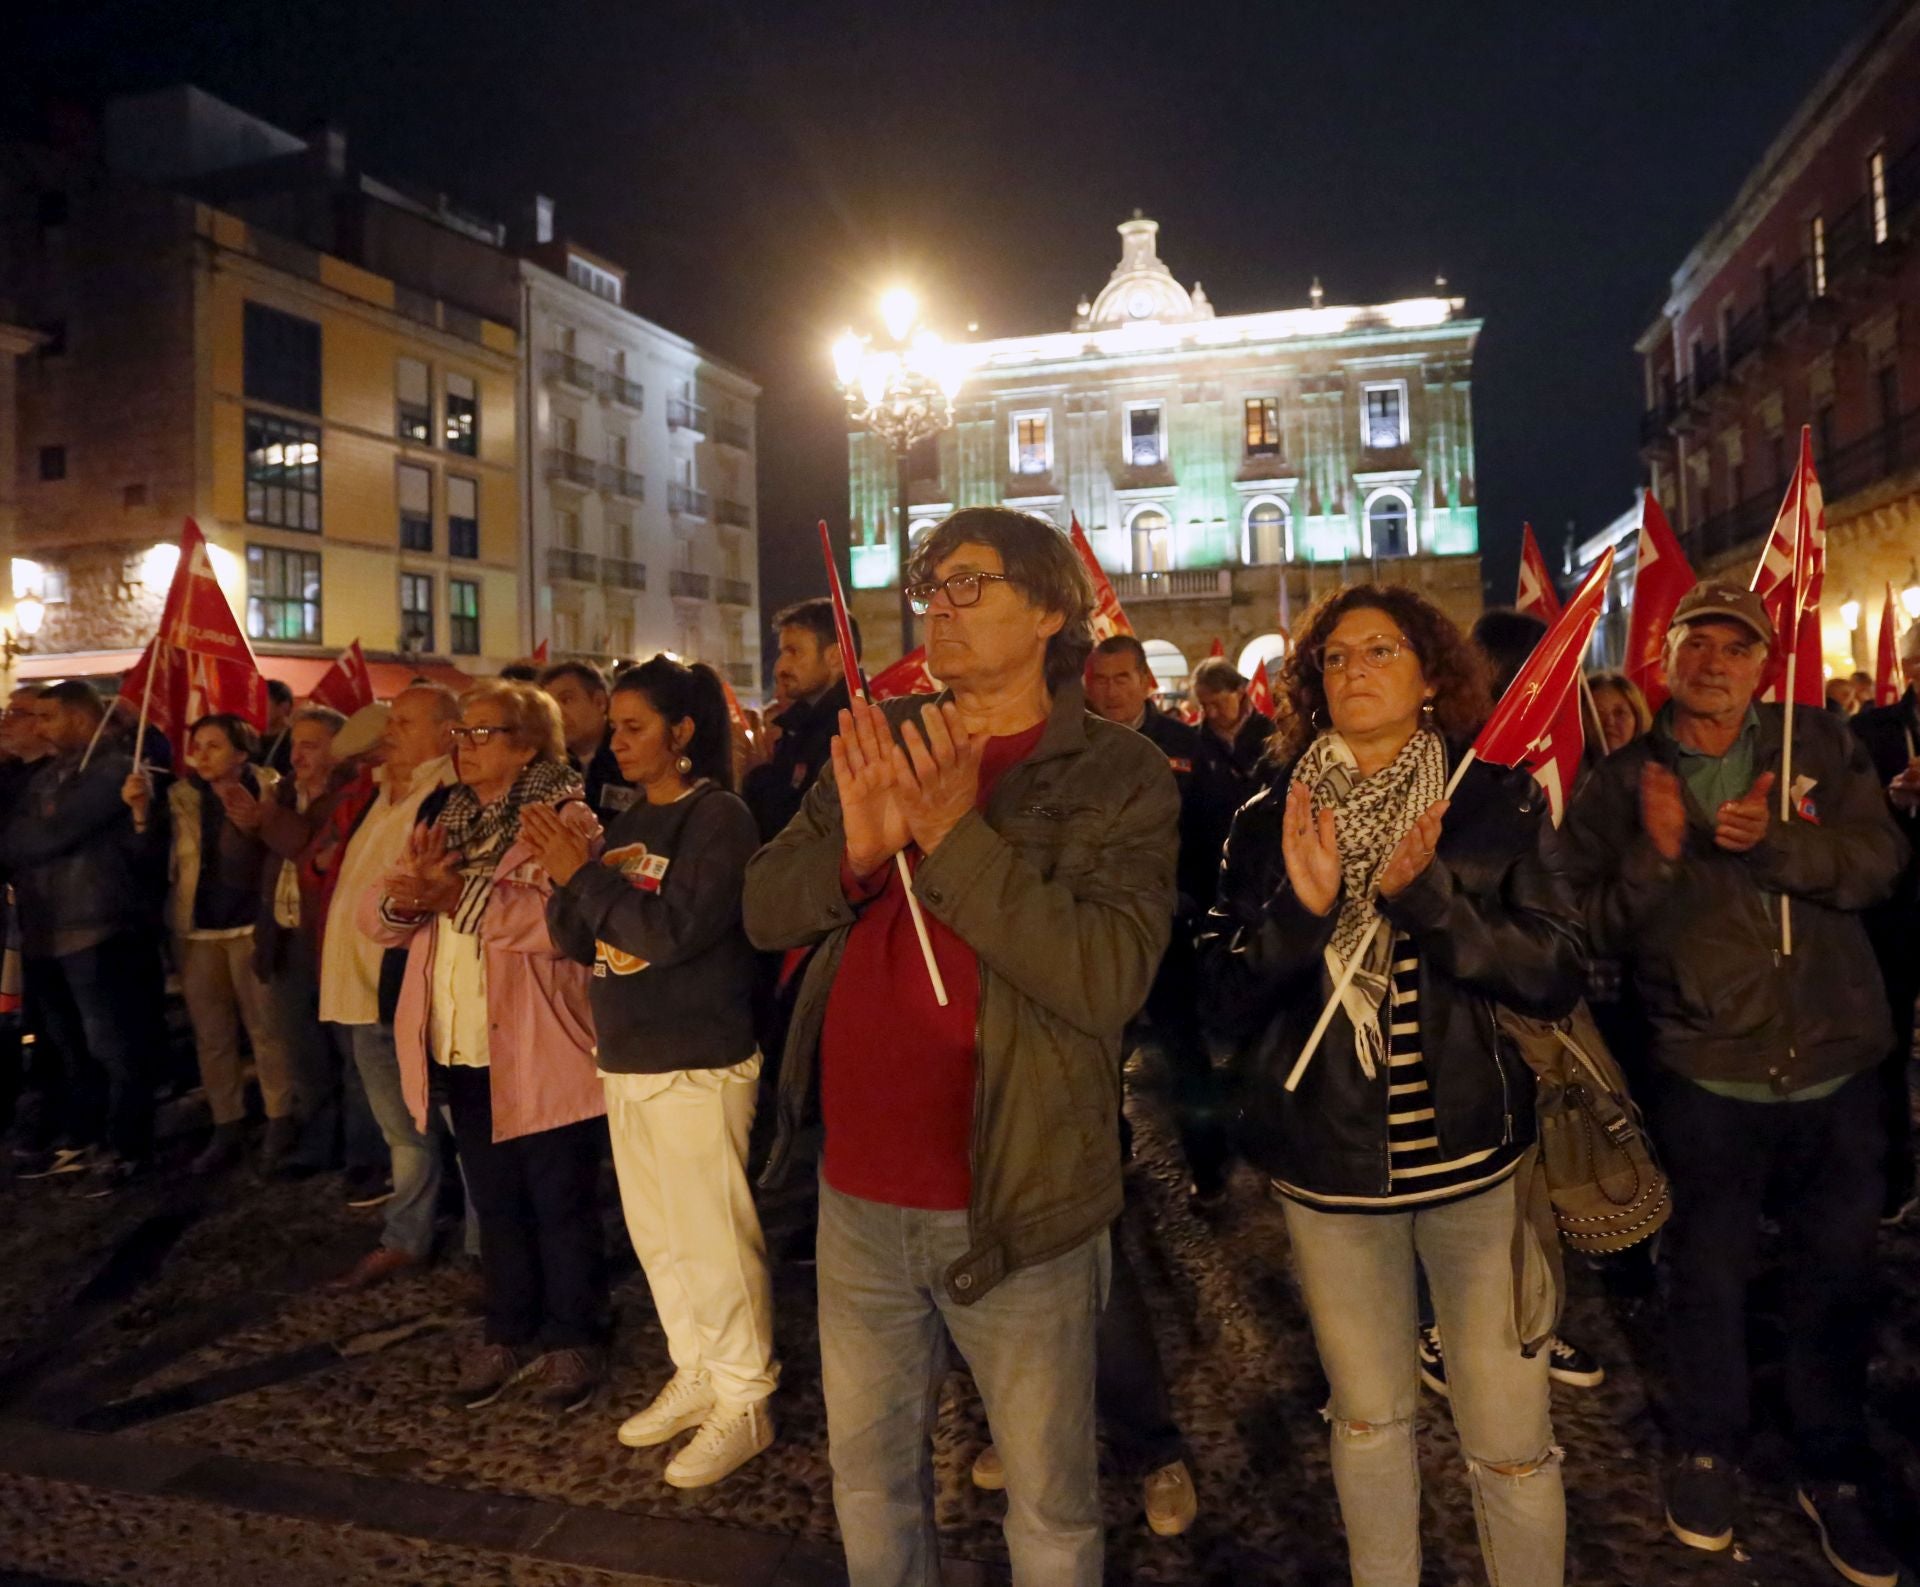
(1700, 1501)
(1568, 1363)
(1848, 1536)
(112, 1176)
(1433, 1365)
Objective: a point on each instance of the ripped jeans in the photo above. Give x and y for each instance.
(1357, 1273)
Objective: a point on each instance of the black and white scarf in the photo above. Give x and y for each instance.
(480, 834)
(1371, 815)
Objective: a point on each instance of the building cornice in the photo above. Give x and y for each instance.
(543, 279)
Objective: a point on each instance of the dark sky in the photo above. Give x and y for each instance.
(762, 168)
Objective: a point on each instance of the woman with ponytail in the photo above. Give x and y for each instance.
(658, 918)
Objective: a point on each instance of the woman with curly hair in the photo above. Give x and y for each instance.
(1400, 1142)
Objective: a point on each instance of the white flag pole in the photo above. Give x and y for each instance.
(1786, 779)
(99, 728)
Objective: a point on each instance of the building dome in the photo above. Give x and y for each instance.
(1142, 289)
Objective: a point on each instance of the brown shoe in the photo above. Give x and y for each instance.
(485, 1372)
(565, 1379)
(376, 1267)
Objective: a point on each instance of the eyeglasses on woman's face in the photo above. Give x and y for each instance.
(961, 589)
(478, 737)
(1375, 653)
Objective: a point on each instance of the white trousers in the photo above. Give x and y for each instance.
(680, 1151)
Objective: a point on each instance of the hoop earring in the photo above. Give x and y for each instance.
(1313, 720)
(683, 765)
(1426, 713)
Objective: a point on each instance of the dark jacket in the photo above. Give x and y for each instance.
(1207, 802)
(1064, 887)
(1700, 936)
(774, 792)
(77, 865)
(1241, 759)
(1891, 734)
(1494, 922)
(608, 793)
(658, 918)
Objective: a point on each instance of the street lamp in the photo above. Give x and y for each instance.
(28, 614)
(901, 387)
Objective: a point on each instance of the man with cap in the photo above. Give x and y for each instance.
(1762, 1076)
(1891, 734)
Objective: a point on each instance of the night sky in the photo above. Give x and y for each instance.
(763, 169)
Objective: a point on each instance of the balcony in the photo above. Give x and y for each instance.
(734, 592)
(580, 566)
(628, 393)
(731, 432)
(1191, 583)
(688, 502)
(572, 468)
(563, 369)
(734, 514)
(623, 574)
(741, 674)
(623, 482)
(688, 586)
(685, 415)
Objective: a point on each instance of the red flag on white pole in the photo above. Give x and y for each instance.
(1260, 691)
(1108, 618)
(1886, 670)
(908, 675)
(540, 654)
(1536, 594)
(1792, 571)
(1660, 577)
(1219, 649)
(347, 685)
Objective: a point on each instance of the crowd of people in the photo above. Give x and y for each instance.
(507, 934)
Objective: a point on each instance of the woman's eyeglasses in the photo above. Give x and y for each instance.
(1375, 655)
(962, 589)
(478, 737)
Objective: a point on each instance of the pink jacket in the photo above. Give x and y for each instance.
(539, 1024)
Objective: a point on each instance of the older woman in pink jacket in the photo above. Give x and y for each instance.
(494, 1020)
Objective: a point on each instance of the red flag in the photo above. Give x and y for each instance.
(1537, 594)
(1660, 577)
(346, 685)
(1260, 691)
(1218, 648)
(908, 675)
(735, 715)
(540, 654)
(199, 662)
(1792, 571)
(1537, 722)
(1886, 670)
(849, 654)
(1108, 619)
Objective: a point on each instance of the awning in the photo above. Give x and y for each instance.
(298, 673)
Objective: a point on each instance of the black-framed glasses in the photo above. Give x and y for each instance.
(962, 589)
(478, 737)
(1375, 655)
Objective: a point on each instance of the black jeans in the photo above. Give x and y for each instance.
(1823, 1161)
(541, 1255)
(1129, 1385)
(102, 1008)
(1173, 1009)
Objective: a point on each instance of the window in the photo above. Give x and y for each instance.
(566, 432)
(1817, 255)
(620, 629)
(53, 462)
(1263, 426)
(281, 358)
(1877, 192)
(617, 450)
(1385, 415)
(566, 528)
(620, 539)
(283, 472)
(1152, 540)
(1032, 448)
(414, 486)
(463, 616)
(283, 595)
(413, 401)
(1387, 523)
(619, 365)
(1144, 449)
(463, 416)
(1823, 434)
(463, 516)
(1266, 538)
(416, 611)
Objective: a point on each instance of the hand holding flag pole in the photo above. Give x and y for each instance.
(857, 683)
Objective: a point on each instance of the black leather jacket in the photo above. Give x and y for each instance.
(1494, 922)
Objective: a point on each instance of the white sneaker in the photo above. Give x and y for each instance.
(727, 1440)
(685, 1402)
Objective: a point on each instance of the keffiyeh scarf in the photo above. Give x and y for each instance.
(480, 834)
(1371, 815)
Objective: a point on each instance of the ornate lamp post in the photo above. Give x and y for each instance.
(901, 389)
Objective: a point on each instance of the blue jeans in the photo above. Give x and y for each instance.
(416, 1156)
(1030, 1344)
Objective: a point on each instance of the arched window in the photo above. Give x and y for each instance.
(1168, 666)
(1152, 540)
(1265, 537)
(918, 530)
(1389, 525)
(1270, 648)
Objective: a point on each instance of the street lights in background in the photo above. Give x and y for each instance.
(902, 388)
(28, 614)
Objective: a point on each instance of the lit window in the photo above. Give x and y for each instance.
(1266, 533)
(1385, 416)
(1387, 527)
(463, 416)
(1144, 441)
(463, 516)
(283, 595)
(416, 611)
(1817, 255)
(413, 400)
(1263, 427)
(1877, 192)
(463, 616)
(1152, 541)
(415, 489)
(1031, 452)
(283, 472)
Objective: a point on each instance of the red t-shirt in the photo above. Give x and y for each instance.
(897, 1069)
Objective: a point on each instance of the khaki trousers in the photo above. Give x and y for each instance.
(216, 975)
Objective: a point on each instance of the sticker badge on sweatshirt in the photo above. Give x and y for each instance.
(645, 871)
(1803, 799)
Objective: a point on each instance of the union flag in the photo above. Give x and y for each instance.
(346, 685)
(1536, 593)
(1660, 577)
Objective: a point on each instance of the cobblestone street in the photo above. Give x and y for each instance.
(182, 1402)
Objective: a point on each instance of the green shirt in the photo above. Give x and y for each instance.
(1713, 780)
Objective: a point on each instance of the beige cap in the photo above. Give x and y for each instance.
(1729, 601)
(361, 731)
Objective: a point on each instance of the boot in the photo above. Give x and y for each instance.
(283, 1138)
(222, 1151)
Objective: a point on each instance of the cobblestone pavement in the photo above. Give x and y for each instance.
(183, 1317)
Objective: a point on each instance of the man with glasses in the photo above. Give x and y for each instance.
(970, 1165)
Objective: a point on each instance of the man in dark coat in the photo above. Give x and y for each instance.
(811, 676)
